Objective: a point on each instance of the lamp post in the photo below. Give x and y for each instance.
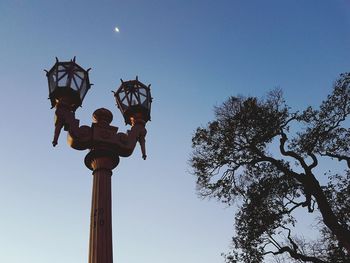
(68, 84)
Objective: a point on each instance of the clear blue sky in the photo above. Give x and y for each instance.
(195, 54)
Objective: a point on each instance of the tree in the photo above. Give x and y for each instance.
(265, 158)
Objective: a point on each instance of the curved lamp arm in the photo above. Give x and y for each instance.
(126, 142)
(65, 118)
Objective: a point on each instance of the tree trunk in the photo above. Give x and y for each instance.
(329, 218)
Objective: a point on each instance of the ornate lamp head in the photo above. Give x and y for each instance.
(134, 101)
(68, 84)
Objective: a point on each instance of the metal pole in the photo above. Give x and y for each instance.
(102, 163)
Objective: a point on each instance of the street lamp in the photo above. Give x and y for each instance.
(134, 100)
(68, 84)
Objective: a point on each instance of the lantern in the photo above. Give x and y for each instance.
(134, 100)
(68, 84)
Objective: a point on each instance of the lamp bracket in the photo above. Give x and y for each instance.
(101, 135)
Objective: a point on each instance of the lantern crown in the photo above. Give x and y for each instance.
(134, 101)
(68, 83)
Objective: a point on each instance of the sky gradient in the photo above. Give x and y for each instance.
(195, 54)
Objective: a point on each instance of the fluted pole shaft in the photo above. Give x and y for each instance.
(100, 247)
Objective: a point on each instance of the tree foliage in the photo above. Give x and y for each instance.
(265, 158)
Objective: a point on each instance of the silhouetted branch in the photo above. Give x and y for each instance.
(274, 242)
(338, 156)
(279, 165)
(294, 117)
(314, 161)
(296, 206)
(292, 154)
(295, 255)
(292, 251)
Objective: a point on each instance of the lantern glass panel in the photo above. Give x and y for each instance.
(62, 79)
(52, 81)
(83, 89)
(76, 81)
(75, 84)
(134, 100)
(68, 82)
